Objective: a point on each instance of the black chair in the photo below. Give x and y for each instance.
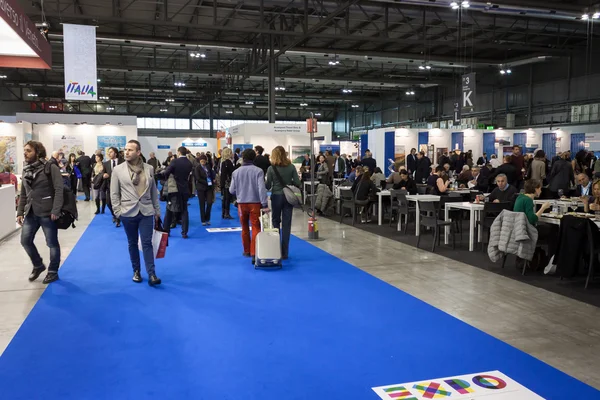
(457, 216)
(429, 212)
(594, 252)
(394, 202)
(404, 209)
(488, 215)
(347, 202)
(421, 189)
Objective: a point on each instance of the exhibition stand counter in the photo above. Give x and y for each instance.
(7, 211)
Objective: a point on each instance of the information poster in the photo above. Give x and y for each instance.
(297, 153)
(8, 153)
(104, 142)
(67, 144)
(492, 385)
(400, 155)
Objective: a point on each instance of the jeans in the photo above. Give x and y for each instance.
(145, 226)
(282, 219)
(225, 202)
(31, 225)
(182, 201)
(206, 198)
(249, 215)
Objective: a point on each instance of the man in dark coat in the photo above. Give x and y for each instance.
(181, 168)
(84, 163)
(109, 166)
(411, 161)
(261, 161)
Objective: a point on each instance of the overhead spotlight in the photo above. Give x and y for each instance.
(412, 93)
(585, 17)
(197, 55)
(596, 15)
(334, 62)
(103, 98)
(280, 88)
(421, 67)
(3, 76)
(502, 72)
(164, 109)
(98, 80)
(428, 66)
(249, 103)
(355, 106)
(303, 104)
(509, 71)
(465, 4)
(170, 100)
(228, 112)
(317, 114)
(110, 108)
(32, 95)
(347, 90)
(454, 5)
(180, 84)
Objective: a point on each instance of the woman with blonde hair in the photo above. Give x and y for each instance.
(227, 167)
(280, 174)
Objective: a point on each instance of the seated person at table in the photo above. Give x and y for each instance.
(504, 193)
(395, 178)
(524, 203)
(479, 182)
(592, 203)
(364, 194)
(465, 176)
(438, 182)
(584, 186)
(377, 177)
(406, 183)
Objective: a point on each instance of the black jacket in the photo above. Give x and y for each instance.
(227, 169)
(482, 183)
(444, 160)
(561, 176)
(46, 194)
(422, 171)
(181, 168)
(512, 175)
(202, 178)
(364, 190)
(411, 162)
(262, 162)
(154, 162)
(85, 165)
(573, 243)
(370, 163)
(577, 191)
(409, 185)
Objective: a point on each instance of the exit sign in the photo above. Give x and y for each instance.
(490, 127)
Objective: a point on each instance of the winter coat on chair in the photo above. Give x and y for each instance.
(511, 233)
(324, 201)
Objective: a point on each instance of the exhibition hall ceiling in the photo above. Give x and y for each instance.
(330, 53)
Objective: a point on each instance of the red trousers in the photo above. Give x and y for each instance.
(249, 215)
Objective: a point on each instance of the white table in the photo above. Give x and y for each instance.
(474, 216)
(381, 195)
(416, 198)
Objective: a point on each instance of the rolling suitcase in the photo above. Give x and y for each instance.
(268, 245)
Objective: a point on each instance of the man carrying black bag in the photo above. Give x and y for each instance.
(40, 206)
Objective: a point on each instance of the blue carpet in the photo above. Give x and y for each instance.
(218, 329)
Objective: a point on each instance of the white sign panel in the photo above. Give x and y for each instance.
(81, 79)
(215, 230)
(492, 385)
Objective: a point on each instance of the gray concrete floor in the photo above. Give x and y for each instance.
(562, 332)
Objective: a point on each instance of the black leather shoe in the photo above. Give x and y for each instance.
(50, 277)
(184, 235)
(137, 277)
(154, 280)
(253, 260)
(35, 273)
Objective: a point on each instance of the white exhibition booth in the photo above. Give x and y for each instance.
(162, 146)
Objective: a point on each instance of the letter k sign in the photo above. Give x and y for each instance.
(467, 99)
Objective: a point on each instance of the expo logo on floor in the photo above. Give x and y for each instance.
(485, 385)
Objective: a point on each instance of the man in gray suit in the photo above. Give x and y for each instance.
(135, 202)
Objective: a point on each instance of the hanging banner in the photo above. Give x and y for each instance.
(81, 78)
(469, 92)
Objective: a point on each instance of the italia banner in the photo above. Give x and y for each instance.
(80, 62)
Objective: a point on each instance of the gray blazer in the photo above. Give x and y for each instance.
(125, 199)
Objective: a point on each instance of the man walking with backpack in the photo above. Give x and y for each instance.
(39, 207)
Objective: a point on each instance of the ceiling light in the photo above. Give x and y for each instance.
(170, 100)
(585, 17)
(32, 95)
(110, 108)
(180, 84)
(334, 62)
(164, 110)
(103, 97)
(454, 5)
(249, 103)
(596, 15)
(412, 93)
(502, 72)
(355, 106)
(428, 66)
(317, 114)
(98, 80)
(228, 112)
(509, 71)
(303, 104)
(347, 90)
(3, 76)
(197, 55)
(465, 4)
(280, 88)
(421, 67)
